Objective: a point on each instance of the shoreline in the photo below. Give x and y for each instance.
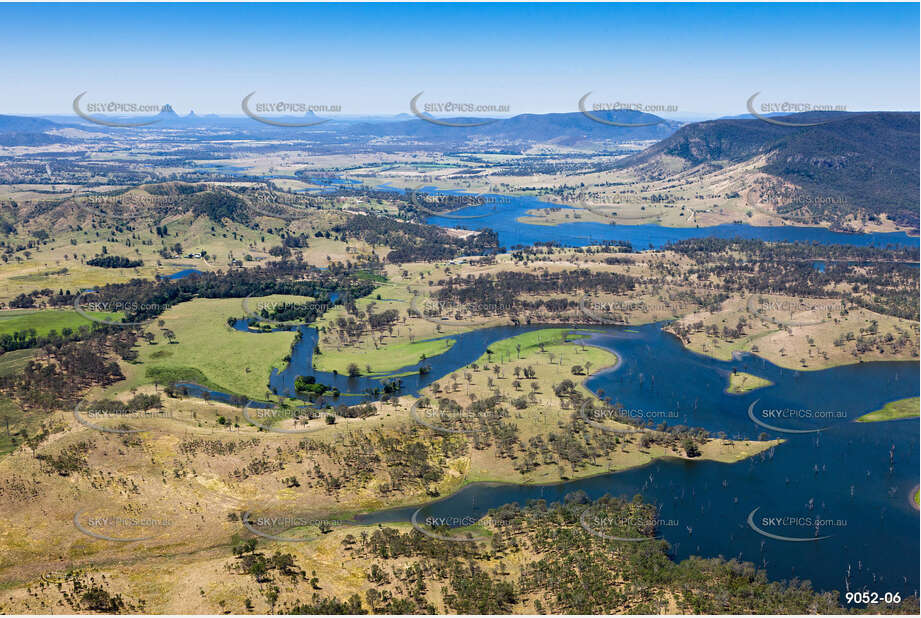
(733, 357)
(385, 184)
(488, 482)
(352, 515)
(911, 233)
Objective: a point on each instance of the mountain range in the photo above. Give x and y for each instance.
(867, 161)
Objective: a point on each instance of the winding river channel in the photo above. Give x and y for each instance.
(828, 504)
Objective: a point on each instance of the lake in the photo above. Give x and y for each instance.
(502, 213)
(849, 482)
(852, 479)
(182, 274)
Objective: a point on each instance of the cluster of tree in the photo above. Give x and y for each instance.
(145, 299)
(71, 459)
(881, 280)
(28, 300)
(300, 241)
(139, 403)
(68, 369)
(291, 312)
(308, 385)
(410, 459)
(414, 242)
(114, 261)
(218, 205)
(567, 567)
(173, 188)
(350, 328)
(88, 593)
(498, 293)
(488, 424)
(360, 411)
(28, 338)
(259, 565)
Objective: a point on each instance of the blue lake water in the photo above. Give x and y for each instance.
(843, 476)
(850, 482)
(853, 478)
(501, 212)
(467, 348)
(182, 274)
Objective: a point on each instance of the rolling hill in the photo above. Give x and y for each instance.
(530, 128)
(852, 162)
(27, 131)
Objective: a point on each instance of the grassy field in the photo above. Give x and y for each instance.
(210, 581)
(553, 346)
(902, 408)
(234, 361)
(385, 351)
(384, 360)
(740, 382)
(803, 340)
(553, 359)
(10, 416)
(59, 262)
(14, 361)
(46, 320)
(728, 193)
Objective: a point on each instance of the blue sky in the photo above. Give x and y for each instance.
(534, 58)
